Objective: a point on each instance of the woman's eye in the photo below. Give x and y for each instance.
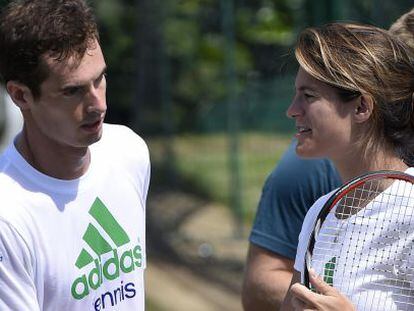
(307, 95)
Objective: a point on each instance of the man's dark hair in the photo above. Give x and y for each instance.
(32, 29)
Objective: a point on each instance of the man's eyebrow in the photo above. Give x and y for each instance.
(81, 84)
(71, 86)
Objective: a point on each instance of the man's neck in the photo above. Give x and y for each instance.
(52, 160)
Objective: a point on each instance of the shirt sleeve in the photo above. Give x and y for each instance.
(17, 288)
(290, 190)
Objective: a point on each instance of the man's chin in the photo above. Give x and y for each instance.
(95, 139)
(91, 139)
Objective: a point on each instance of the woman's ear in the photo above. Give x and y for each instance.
(364, 108)
(20, 94)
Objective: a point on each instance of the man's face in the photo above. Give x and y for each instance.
(72, 103)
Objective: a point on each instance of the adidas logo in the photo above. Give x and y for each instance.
(99, 247)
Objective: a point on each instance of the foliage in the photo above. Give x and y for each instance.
(196, 48)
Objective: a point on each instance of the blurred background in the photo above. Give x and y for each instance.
(206, 83)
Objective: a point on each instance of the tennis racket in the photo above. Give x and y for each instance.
(362, 242)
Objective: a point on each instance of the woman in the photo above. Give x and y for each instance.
(353, 105)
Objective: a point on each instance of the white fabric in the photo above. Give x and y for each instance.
(45, 224)
(365, 282)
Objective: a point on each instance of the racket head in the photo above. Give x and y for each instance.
(369, 186)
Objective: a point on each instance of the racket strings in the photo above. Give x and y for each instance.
(383, 256)
(360, 198)
(364, 246)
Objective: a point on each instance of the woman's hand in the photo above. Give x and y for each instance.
(327, 298)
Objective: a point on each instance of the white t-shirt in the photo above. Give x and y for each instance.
(77, 244)
(354, 272)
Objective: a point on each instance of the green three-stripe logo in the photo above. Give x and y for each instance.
(101, 269)
(94, 239)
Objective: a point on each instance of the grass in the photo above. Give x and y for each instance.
(205, 160)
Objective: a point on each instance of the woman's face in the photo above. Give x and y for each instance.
(324, 123)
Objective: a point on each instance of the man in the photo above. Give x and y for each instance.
(73, 189)
(288, 193)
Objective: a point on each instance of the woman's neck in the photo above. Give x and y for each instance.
(355, 164)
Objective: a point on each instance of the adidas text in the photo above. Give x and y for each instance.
(127, 262)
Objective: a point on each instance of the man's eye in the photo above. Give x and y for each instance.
(307, 95)
(71, 91)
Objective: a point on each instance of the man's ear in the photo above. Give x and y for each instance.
(364, 108)
(20, 94)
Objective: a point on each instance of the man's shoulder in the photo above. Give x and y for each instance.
(7, 172)
(10, 176)
(12, 195)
